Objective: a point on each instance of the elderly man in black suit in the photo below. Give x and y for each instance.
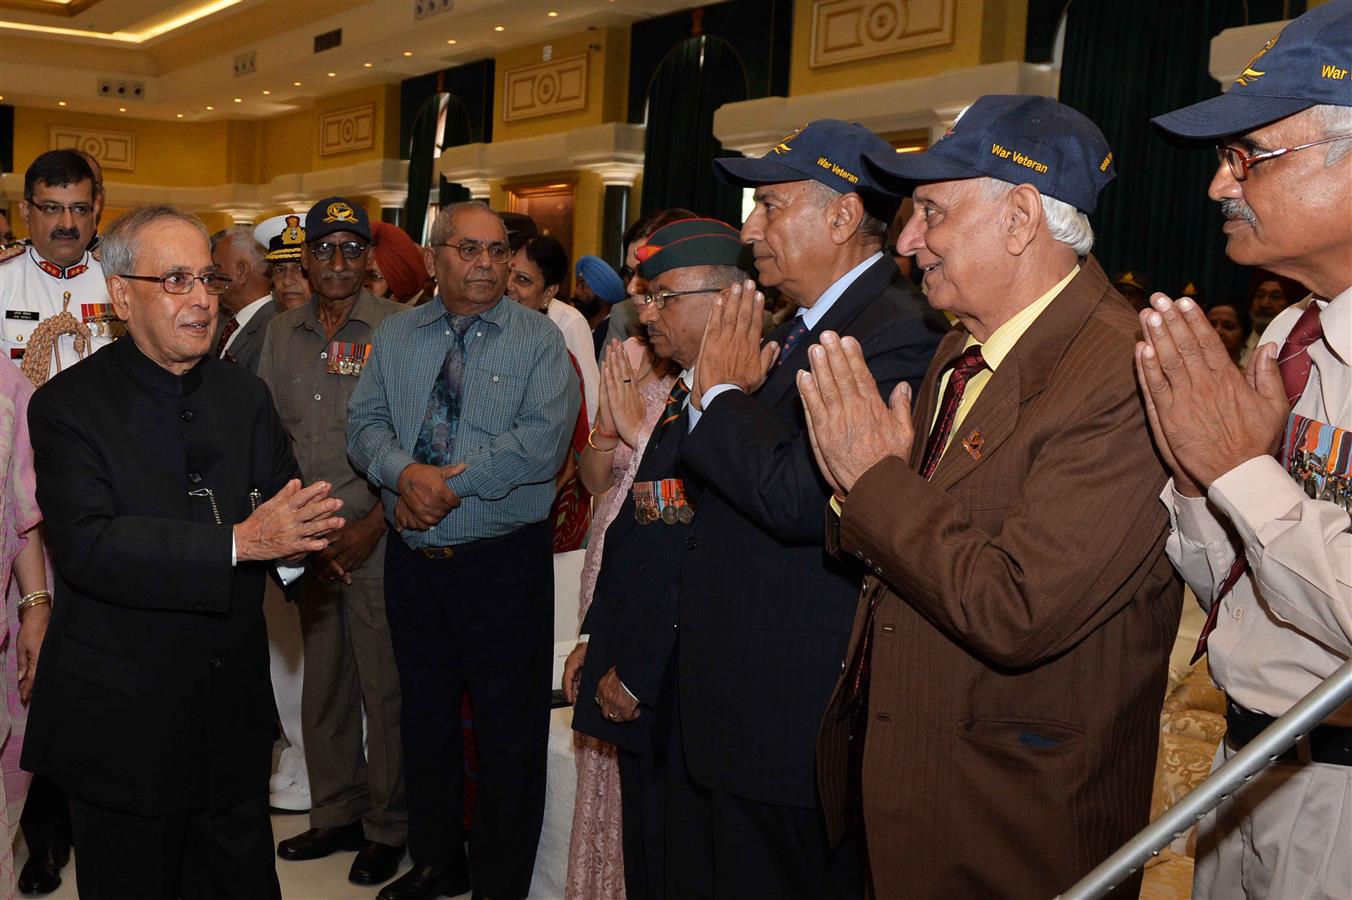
(152, 708)
(765, 613)
(626, 683)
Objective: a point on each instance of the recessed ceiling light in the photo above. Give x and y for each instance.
(61, 103)
(367, 65)
(295, 84)
(267, 93)
(119, 109)
(210, 108)
(552, 14)
(333, 74)
(180, 115)
(408, 52)
(499, 27)
(452, 41)
(239, 99)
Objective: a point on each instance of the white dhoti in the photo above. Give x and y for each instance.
(286, 654)
(1286, 834)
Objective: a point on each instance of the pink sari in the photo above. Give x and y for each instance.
(19, 515)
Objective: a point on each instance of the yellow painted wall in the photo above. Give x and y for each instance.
(290, 143)
(607, 82)
(183, 154)
(985, 31)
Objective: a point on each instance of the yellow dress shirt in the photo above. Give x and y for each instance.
(994, 351)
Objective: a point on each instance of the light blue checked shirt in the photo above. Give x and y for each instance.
(519, 403)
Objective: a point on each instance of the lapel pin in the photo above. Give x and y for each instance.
(973, 443)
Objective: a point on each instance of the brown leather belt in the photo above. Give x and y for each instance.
(437, 552)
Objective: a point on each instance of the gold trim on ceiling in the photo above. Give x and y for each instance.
(201, 11)
(50, 7)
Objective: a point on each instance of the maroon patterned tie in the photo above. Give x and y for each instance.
(230, 328)
(1293, 361)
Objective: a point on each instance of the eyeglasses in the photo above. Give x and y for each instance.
(182, 282)
(662, 298)
(1239, 164)
(324, 250)
(52, 210)
(471, 250)
(626, 273)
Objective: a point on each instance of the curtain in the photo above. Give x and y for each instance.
(696, 77)
(422, 161)
(1124, 62)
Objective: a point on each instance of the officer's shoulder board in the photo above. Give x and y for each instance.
(12, 252)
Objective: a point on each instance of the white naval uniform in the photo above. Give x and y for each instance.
(30, 293)
(1283, 629)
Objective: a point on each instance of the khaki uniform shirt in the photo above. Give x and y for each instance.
(1287, 624)
(311, 377)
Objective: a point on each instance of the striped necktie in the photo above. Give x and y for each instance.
(672, 410)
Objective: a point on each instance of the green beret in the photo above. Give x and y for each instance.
(693, 242)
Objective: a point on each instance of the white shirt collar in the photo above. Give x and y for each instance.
(817, 311)
(247, 313)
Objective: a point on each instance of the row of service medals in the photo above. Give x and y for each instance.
(347, 358)
(101, 319)
(663, 501)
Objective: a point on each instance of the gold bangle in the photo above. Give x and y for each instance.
(37, 598)
(591, 443)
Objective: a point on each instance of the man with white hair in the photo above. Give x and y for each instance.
(997, 720)
(246, 306)
(1262, 538)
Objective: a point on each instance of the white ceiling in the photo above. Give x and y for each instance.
(191, 66)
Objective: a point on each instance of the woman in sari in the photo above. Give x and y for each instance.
(23, 572)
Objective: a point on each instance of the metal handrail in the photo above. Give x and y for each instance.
(1263, 750)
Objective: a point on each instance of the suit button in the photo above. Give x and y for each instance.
(215, 662)
(188, 415)
(691, 543)
(195, 477)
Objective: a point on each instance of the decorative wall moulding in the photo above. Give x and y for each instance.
(545, 89)
(113, 149)
(347, 130)
(847, 30)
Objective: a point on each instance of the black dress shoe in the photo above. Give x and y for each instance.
(42, 873)
(320, 842)
(376, 863)
(427, 883)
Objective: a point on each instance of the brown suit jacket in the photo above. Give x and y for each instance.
(1025, 617)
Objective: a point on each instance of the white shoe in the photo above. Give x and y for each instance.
(293, 798)
(279, 783)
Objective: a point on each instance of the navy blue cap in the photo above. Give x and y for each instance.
(1305, 64)
(1017, 138)
(601, 278)
(336, 214)
(827, 150)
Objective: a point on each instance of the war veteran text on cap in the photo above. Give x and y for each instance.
(1016, 138)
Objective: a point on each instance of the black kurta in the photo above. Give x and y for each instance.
(153, 695)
